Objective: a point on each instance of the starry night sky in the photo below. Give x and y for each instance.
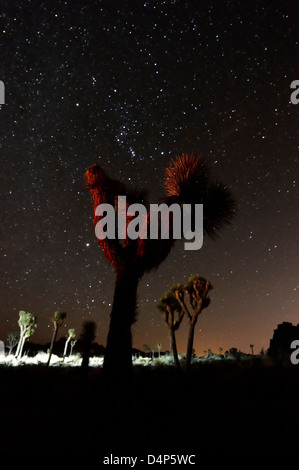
(129, 85)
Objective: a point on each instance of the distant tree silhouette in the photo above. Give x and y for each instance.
(147, 348)
(251, 347)
(173, 316)
(27, 323)
(233, 352)
(193, 299)
(73, 342)
(87, 337)
(12, 340)
(280, 343)
(153, 353)
(187, 180)
(58, 320)
(71, 336)
(159, 346)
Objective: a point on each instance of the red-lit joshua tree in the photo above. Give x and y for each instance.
(187, 181)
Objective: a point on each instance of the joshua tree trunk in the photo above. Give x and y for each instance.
(174, 349)
(65, 346)
(190, 344)
(22, 346)
(118, 356)
(52, 344)
(19, 344)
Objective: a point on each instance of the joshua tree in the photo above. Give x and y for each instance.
(173, 316)
(159, 346)
(187, 181)
(146, 348)
(87, 337)
(71, 336)
(73, 342)
(170, 343)
(12, 340)
(251, 347)
(196, 291)
(27, 323)
(58, 320)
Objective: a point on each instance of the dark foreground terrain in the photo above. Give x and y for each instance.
(215, 406)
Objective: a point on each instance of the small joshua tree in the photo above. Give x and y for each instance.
(71, 335)
(58, 320)
(147, 348)
(73, 342)
(173, 316)
(27, 323)
(159, 346)
(153, 354)
(12, 340)
(196, 291)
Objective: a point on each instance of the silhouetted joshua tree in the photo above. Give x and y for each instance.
(27, 323)
(147, 349)
(159, 346)
(73, 342)
(58, 320)
(173, 316)
(12, 339)
(196, 291)
(187, 181)
(71, 336)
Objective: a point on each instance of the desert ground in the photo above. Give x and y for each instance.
(216, 405)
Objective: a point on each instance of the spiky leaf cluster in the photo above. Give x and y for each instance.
(71, 333)
(27, 322)
(59, 318)
(188, 180)
(169, 301)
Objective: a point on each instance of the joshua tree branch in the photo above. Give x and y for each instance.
(180, 299)
(202, 297)
(177, 322)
